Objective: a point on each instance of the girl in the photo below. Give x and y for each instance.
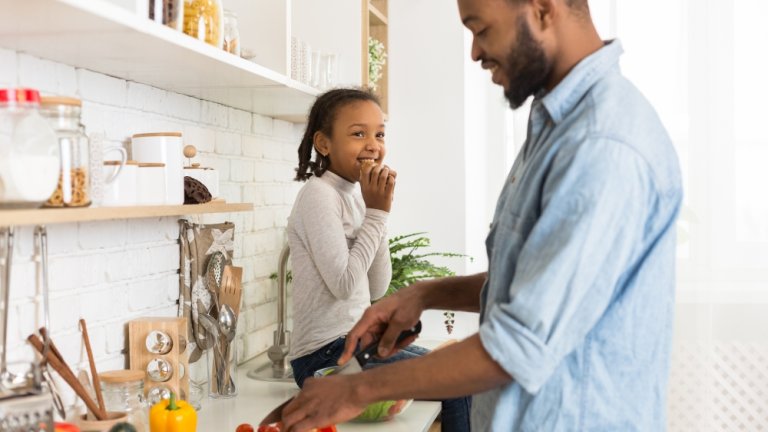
(337, 234)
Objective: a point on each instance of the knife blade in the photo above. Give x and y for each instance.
(354, 365)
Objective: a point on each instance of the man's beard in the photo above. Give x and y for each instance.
(527, 67)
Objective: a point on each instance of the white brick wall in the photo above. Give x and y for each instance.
(111, 272)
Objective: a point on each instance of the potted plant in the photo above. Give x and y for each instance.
(410, 264)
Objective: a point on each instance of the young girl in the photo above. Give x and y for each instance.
(337, 234)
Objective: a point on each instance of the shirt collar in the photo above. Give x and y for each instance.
(338, 182)
(561, 100)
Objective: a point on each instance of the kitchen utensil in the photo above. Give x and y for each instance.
(92, 364)
(231, 288)
(6, 295)
(354, 365)
(82, 376)
(228, 327)
(66, 373)
(214, 273)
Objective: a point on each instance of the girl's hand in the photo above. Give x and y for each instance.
(377, 182)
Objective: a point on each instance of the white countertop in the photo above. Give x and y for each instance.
(256, 399)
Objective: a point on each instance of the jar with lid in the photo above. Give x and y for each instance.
(29, 151)
(231, 33)
(74, 188)
(123, 391)
(204, 20)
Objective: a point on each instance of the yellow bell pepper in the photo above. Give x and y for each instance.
(170, 415)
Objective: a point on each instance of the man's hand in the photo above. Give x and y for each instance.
(323, 401)
(386, 320)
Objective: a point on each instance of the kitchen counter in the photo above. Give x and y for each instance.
(256, 399)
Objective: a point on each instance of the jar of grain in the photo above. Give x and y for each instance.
(204, 20)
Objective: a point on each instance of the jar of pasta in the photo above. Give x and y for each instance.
(63, 115)
(204, 20)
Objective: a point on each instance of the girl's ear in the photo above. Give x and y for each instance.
(322, 143)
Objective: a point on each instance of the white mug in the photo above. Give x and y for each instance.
(166, 148)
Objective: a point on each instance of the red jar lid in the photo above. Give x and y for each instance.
(19, 95)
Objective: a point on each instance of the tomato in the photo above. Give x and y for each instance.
(276, 427)
(245, 427)
(272, 427)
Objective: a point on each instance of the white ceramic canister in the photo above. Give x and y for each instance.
(120, 188)
(149, 180)
(165, 147)
(207, 176)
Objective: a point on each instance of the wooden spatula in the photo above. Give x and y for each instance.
(231, 287)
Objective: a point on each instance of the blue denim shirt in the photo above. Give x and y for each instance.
(578, 303)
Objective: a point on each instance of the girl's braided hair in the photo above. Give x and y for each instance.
(321, 118)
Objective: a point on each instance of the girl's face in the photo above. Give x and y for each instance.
(358, 134)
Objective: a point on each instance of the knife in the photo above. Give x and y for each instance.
(353, 366)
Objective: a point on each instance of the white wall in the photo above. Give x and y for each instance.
(445, 138)
(110, 272)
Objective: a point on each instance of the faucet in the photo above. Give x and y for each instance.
(278, 352)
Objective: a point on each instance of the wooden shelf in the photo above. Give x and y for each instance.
(377, 18)
(105, 38)
(375, 25)
(65, 215)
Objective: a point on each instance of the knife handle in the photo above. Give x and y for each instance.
(366, 353)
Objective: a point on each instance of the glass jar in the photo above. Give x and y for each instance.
(231, 33)
(74, 189)
(203, 19)
(167, 12)
(29, 151)
(123, 391)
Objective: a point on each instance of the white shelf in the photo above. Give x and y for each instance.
(46, 216)
(102, 37)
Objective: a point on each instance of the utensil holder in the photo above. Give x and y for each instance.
(222, 370)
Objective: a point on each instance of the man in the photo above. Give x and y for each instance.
(576, 306)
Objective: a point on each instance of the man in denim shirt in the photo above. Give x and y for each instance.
(576, 306)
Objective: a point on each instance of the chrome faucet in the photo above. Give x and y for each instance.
(280, 370)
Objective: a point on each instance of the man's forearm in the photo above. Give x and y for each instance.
(435, 375)
(459, 293)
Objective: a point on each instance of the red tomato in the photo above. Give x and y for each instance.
(272, 427)
(276, 427)
(245, 427)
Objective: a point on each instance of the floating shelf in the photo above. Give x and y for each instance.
(105, 38)
(64, 215)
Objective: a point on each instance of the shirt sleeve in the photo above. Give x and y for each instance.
(380, 273)
(596, 200)
(340, 266)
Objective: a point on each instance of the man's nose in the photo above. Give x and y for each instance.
(476, 52)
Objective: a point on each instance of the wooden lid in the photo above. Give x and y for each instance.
(122, 376)
(57, 100)
(157, 134)
(117, 162)
(151, 165)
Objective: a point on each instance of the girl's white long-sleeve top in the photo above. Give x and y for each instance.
(339, 260)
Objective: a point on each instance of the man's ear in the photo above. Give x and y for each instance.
(322, 143)
(544, 12)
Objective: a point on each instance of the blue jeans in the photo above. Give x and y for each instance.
(454, 414)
